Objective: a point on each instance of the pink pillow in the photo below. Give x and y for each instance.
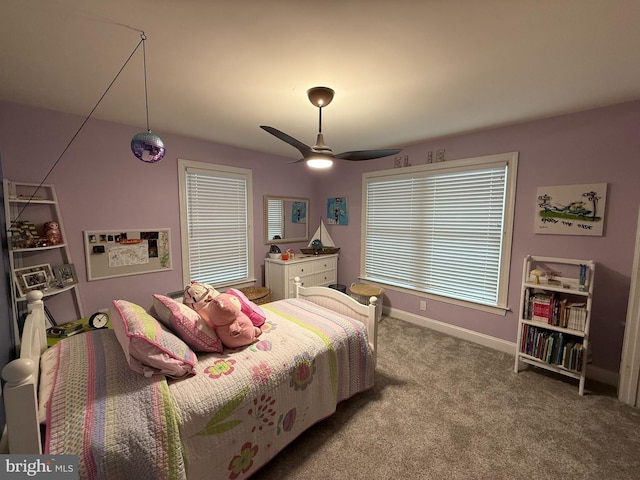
(149, 347)
(250, 309)
(187, 324)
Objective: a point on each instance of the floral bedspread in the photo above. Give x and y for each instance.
(245, 405)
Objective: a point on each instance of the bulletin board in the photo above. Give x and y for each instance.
(117, 253)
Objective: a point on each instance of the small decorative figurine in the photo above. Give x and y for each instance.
(52, 232)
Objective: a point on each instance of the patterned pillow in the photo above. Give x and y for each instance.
(149, 347)
(250, 309)
(187, 324)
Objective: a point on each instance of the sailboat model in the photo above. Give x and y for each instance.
(325, 246)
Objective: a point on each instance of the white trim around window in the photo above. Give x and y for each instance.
(216, 220)
(442, 230)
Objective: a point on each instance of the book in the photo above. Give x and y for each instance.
(66, 329)
(541, 308)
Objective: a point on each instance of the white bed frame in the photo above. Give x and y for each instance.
(21, 374)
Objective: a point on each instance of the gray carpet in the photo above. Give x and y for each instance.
(447, 408)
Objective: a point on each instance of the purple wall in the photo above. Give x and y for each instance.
(596, 146)
(100, 185)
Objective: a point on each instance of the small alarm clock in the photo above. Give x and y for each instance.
(99, 320)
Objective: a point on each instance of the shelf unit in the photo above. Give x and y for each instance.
(555, 315)
(37, 204)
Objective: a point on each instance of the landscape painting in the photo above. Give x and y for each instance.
(571, 209)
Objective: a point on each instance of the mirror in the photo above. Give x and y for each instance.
(285, 219)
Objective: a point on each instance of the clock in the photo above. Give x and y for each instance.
(99, 320)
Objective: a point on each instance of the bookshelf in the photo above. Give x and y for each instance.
(28, 207)
(554, 315)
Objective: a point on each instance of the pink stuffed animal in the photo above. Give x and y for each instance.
(197, 295)
(234, 328)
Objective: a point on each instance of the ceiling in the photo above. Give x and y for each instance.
(404, 71)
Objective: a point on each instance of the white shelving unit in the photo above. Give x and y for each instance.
(37, 204)
(556, 337)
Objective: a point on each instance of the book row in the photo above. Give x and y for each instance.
(554, 309)
(554, 348)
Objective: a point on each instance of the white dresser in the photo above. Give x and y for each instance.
(313, 270)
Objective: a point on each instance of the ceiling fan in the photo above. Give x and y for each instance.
(321, 155)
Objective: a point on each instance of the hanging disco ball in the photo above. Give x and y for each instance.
(148, 147)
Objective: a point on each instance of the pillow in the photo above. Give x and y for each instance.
(250, 309)
(187, 324)
(149, 347)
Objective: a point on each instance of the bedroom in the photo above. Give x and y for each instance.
(99, 183)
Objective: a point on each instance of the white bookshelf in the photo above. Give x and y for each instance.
(555, 315)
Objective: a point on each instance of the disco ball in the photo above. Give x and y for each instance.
(148, 147)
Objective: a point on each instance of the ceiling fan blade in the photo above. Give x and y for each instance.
(357, 155)
(304, 149)
(296, 161)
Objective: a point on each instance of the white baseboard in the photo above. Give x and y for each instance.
(593, 372)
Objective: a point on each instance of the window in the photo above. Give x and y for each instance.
(442, 229)
(215, 216)
(275, 218)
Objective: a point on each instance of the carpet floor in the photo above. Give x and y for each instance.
(448, 408)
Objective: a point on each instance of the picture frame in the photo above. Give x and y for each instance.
(35, 277)
(65, 275)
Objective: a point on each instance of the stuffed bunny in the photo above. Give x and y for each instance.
(234, 328)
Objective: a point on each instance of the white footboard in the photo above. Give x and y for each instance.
(344, 304)
(21, 389)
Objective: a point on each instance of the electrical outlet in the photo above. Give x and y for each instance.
(423, 305)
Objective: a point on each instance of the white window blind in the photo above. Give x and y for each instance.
(438, 231)
(216, 217)
(275, 218)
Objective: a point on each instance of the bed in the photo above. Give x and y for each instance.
(236, 411)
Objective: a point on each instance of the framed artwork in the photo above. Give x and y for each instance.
(571, 209)
(36, 277)
(298, 212)
(337, 213)
(65, 274)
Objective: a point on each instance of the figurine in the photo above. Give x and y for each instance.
(52, 232)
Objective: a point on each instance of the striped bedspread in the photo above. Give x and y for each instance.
(241, 408)
(244, 406)
(128, 423)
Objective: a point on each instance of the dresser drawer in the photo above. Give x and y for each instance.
(324, 264)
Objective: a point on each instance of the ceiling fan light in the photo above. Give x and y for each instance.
(319, 162)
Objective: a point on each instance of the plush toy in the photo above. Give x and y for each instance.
(52, 232)
(234, 328)
(197, 295)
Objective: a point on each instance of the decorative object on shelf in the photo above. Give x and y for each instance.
(324, 244)
(23, 234)
(274, 252)
(65, 275)
(337, 213)
(52, 233)
(536, 275)
(571, 209)
(35, 277)
(321, 155)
